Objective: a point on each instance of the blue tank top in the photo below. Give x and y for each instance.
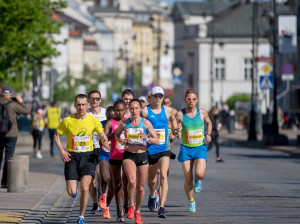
(132, 133)
(159, 122)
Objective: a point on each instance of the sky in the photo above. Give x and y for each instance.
(171, 2)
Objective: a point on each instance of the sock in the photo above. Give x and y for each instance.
(137, 212)
(81, 217)
(152, 197)
(191, 201)
(161, 206)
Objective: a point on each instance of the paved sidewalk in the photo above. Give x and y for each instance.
(240, 138)
(14, 206)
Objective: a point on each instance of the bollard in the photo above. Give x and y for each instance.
(17, 174)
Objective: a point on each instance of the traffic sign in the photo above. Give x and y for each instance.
(266, 82)
(287, 68)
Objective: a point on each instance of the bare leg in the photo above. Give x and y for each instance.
(130, 169)
(187, 167)
(141, 176)
(152, 178)
(163, 163)
(84, 189)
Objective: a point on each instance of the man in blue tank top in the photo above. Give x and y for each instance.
(158, 155)
(191, 121)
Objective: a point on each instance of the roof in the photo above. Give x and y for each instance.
(236, 21)
(200, 8)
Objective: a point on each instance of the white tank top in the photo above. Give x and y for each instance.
(102, 117)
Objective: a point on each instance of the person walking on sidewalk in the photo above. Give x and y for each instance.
(135, 158)
(80, 157)
(37, 129)
(53, 116)
(216, 127)
(94, 98)
(193, 150)
(10, 107)
(158, 155)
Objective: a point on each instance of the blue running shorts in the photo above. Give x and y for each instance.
(103, 155)
(190, 153)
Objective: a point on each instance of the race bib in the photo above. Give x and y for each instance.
(134, 136)
(119, 145)
(81, 143)
(107, 149)
(194, 136)
(162, 135)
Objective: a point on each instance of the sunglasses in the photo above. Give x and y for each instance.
(95, 98)
(191, 99)
(158, 95)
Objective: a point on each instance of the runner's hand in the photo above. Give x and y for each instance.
(65, 156)
(123, 141)
(105, 143)
(171, 136)
(143, 135)
(208, 138)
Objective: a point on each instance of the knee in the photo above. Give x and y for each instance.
(71, 192)
(84, 189)
(131, 184)
(164, 177)
(200, 175)
(106, 179)
(140, 188)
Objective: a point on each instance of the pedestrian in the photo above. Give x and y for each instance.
(216, 127)
(80, 158)
(53, 118)
(127, 95)
(94, 99)
(10, 107)
(138, 132)
(115, 159)
(193, 150)
(143, 100)
(159, 155)
(37, 130)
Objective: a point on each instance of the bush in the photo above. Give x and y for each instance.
(237, 97)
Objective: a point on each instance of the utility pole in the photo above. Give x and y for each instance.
(275, 53)
(252, 129)
(158, 48)
(34, 87)
(212, 58)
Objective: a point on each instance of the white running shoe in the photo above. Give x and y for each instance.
(39, 155)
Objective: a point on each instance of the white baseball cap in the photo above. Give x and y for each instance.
(142, 98)
(157, 90)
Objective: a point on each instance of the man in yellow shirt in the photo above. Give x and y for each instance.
(52, 120)
(80, 159)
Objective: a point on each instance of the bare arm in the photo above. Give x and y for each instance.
(107, 127)
(153, 138)
(118, 133)
(173, 121)
(179, 118)
(144, 112)
(103, 139)
(65, 155)
(206, 119)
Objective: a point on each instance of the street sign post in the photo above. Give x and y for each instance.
(287, 72)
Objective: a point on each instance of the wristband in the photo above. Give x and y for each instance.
(148, 139)
(209, 134)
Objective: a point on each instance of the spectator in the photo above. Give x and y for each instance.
(9, 140)
(37, 126)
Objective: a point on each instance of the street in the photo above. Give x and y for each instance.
(251, 186)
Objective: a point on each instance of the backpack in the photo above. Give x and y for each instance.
(36, 123)
(5, 123)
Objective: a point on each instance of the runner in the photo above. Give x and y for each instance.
(127, 95)
(95, 110)
(104, 169)
(158, 155)
(135, 159)
(193, 150)
(80, 158)
(115, 157)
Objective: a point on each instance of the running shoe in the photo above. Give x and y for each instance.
(120, 217)
(162, 213)
(130, 212)
(102, 202)
(192, 206)
(197, 187)
(95, 208)
(138, 218)
(75, 195)
(80, 220)
(106, 214)
(152, 203)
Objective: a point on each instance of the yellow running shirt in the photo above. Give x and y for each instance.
(79, 132)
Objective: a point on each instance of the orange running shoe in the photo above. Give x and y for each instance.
(102, 202)
(130, 213)
(138, 218)
(106, 214)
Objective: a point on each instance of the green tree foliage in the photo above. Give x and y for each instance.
(25, 34)
(236, 97)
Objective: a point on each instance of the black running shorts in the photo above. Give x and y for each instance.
(139, 159)
(81, 164)
(155, 157)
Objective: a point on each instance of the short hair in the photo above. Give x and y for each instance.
(80, 96)
(53, 103)
(108, 111)
(128, 92)
(191, 91)
(94, 91)
(119, 101)
(135, 100)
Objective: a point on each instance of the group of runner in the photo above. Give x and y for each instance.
(131, 143)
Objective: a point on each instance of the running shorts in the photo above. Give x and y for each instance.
(191, 153)
(155, 157)
(139, 159)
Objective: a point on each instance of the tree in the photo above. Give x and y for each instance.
(237, 97)
(25, 35)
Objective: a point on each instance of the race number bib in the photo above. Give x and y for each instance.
(119, 145)
(81, 143)
(134, 136)
(194, 136)
(107, 149)
(162, 135)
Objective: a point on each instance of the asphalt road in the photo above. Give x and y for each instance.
(251, 186)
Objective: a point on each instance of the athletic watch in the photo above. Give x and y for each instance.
(148, 139)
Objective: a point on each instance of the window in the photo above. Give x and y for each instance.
(103, 3)
(220, 68)
(248, 68)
